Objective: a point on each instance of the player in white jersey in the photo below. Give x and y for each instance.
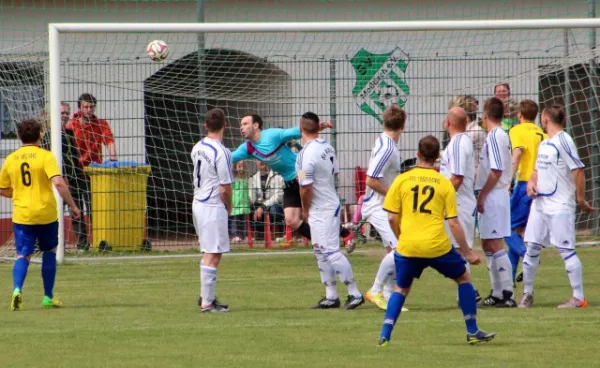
(493, 204)
(384, 166)
(557, 182)
(457, 164)
(317, 166)
(213, 178)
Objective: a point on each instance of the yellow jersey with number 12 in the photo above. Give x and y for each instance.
(528, 137)
(29, 171)
(423, 199)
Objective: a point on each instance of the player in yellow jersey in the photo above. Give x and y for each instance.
(27, 177)
(525, 139)
(418, 203)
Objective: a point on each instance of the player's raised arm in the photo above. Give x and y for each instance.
(241, 153)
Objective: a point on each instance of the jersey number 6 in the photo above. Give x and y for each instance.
(25, 174)
(429, 191)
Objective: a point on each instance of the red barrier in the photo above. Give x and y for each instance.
(268, 239)
(249, 228)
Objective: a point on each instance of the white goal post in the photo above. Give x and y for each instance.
(57, 30)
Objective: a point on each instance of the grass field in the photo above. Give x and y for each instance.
(144, 314)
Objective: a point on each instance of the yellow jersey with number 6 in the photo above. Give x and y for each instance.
(29, 171)
(423, 199)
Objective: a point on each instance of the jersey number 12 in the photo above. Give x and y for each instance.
(427, 191)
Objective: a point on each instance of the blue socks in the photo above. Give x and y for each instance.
(20, 272)
(516, 250)
(49, 273)
(393, 312)
(466, 299)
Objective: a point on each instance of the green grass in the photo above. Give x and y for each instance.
(144, 314)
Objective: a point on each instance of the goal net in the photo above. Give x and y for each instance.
(156, 110)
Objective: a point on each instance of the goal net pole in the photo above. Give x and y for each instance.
(55, 30)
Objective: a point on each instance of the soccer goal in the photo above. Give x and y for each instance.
(347, 73)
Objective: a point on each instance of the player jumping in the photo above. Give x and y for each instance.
(269, 146)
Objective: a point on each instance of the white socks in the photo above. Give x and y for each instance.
(342, 267)
(385, 273)
(531, 261)
(208, 282)
(574, 271)
(327, 275)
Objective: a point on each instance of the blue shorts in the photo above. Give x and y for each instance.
(451, 265)
(26, 235)
(520, 204)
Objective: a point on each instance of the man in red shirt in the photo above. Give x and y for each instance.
(90, 135)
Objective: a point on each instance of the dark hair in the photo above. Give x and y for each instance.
(528, 109)
(310, 122)
(215, 120)
(556, 114)
(86, 97)
(29, 131)
(429, 148)
(494, 109)
(256, 119)
(394, 118)
(502, 85)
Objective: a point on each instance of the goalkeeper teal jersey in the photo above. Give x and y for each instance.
(272, 149)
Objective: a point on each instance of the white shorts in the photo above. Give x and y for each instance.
(378, 218)
(325, 229)
(466, 218)
(494, 222)
(211, 226)
(557, 229)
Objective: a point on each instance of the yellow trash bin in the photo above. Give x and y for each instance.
(119, 206)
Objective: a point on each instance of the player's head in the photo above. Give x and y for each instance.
(554, 115)
(29, 131)
(493, 110)
(65, 112)
(502, 91)
(309, 123)
(251, 124)
(429, 150)
(528, 110)
(394, 118)
(87, 104)
(215, 121)
(456, 120)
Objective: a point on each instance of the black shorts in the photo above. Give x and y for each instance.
(291, 194)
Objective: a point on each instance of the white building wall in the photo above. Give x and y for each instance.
(113, 67)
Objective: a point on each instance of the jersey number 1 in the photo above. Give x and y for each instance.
(429, 191)
(198, 173)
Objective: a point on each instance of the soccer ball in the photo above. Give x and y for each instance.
(157, 50)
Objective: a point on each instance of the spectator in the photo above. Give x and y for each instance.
(240, 203)
(90, 135)
(511, 112)
(502, 91)
(266, 194)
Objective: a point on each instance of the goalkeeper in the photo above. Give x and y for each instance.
(270, 146)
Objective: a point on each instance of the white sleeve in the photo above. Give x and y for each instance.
(379, 160)
(336, 165)
(495, 144)
(224, 167)
(569, 151)
(305, 168)
(461, 149)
